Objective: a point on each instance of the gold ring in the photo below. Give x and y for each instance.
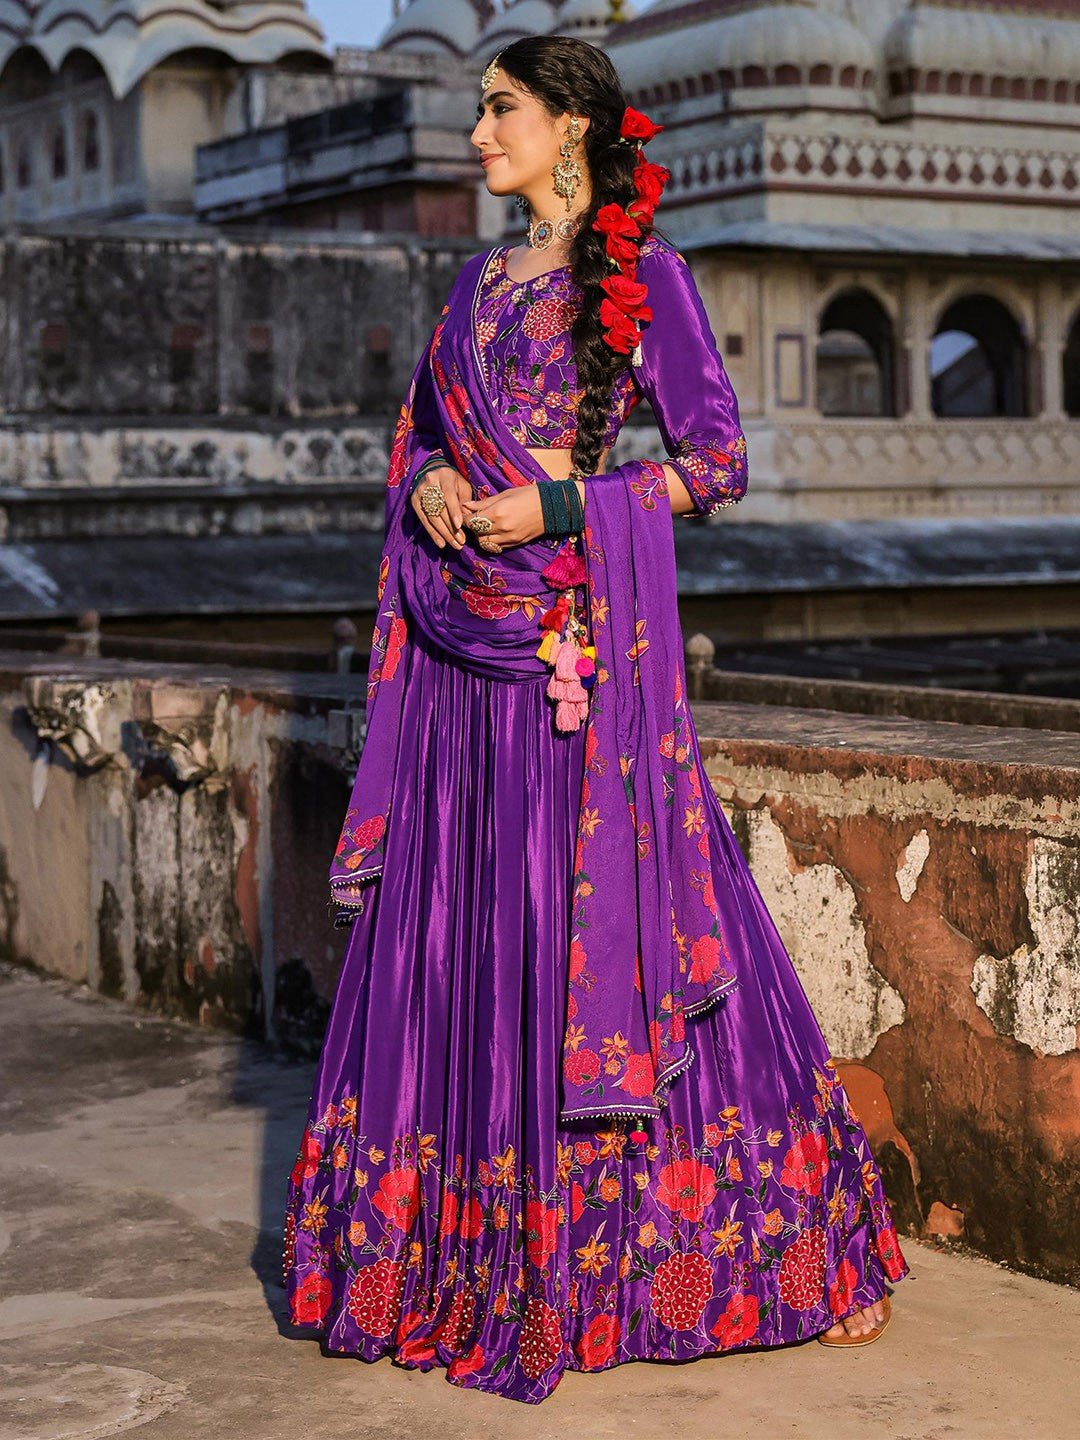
(491, 546)
(432, 500)
(480, 523)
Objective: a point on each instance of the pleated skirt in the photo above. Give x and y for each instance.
(439, 1212)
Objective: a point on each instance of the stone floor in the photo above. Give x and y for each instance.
(141, 1177)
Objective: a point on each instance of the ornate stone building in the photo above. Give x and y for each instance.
(880, 202)
(102, 102)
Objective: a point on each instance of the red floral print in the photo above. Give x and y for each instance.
(581, 1067)
(598, 1344)
(463, 1365)
(460, 1319)
(311, 1300)
(640, 1076)
(802, 1270)
(541, 1338)
(374, 1299)
(681, 1288)
(889, 1252)
(806, 1164)
(739, 1322)
(547, 318)
(705, 959)
(686, 1187)
(541, 1232)
(308, 1163)
(842, 1290)
(398, 1196)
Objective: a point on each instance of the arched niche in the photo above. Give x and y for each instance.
(856, 356)
(978, 361)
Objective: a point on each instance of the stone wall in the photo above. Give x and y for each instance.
(164, 838)
(165, 323)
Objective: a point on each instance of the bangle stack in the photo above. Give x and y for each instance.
(561, 507)
(433, 464)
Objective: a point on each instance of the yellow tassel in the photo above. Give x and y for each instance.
(548, 641)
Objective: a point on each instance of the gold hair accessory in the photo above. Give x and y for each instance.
(566, 173)
(488, 77)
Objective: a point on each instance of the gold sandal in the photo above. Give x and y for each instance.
(844, 1341)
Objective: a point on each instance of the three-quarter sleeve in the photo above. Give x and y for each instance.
(683, 377)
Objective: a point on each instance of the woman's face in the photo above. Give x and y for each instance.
(521, 138)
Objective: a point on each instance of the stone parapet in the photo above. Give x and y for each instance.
(165, 836)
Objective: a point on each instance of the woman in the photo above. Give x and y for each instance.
(573, 1107)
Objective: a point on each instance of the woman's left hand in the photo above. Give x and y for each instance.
(515, 515)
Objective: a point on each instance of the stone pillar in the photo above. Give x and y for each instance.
(914, 339)
(1048, 350)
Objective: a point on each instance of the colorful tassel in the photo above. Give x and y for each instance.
(563, 648)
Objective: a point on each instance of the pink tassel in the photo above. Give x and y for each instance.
(567, 569)
(569, 714)
(566, 660)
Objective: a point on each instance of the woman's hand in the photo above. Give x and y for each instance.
(446, 526)
(515, 514)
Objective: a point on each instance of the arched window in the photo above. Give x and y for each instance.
(856, 364)
(91, 141)
(59, 153)
(24, 166)
(1071, 370)
(978, 361)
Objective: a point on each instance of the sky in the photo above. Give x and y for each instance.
(351, 22)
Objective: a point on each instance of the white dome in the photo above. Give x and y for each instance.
(129, 37)
(988, 43)
(765, 38)
(439, 26)
(588, 19)
(523, 17)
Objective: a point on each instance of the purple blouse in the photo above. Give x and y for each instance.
(526, 354)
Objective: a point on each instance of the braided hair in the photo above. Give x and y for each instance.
(572, 76)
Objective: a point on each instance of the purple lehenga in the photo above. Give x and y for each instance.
(573, 1107)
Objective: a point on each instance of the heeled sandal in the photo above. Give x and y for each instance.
(845, 1341)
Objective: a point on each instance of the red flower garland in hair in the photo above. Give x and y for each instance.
(624, 304)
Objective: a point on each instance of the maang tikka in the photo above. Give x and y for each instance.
(566, 173)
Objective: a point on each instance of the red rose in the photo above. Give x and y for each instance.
(597, 1345)
(686, 1187)
(649, 182)
(449, 1218)
(738, 1323)
(398, 1196)
(628, 295)
(620, 331)
(636, 126)
(621, 230)
(577, 958)
(806, 1164)
(584, 1152)
(311, 1299)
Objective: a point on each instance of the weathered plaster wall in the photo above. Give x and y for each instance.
(170, 845)
(929, 898)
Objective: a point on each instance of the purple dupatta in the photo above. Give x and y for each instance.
(649, 946)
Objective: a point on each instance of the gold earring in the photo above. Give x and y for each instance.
(566, 173)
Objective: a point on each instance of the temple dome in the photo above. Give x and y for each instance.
(441, 27)
(129, 37)
(588, 19)
(762, 44)
(970, 41)
(524, 17)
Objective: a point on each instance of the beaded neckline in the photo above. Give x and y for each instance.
(542, 276)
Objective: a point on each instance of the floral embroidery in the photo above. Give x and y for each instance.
(523, 334)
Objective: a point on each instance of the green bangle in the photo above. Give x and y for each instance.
(433, 464)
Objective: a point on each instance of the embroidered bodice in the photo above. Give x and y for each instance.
(523, 333)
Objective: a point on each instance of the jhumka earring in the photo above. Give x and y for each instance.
(566, 173)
